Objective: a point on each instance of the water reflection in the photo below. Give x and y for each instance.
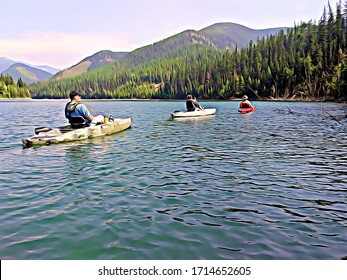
(193, 119)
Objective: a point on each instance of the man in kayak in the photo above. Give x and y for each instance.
(192, 104)
(78, 113)
(245, 103)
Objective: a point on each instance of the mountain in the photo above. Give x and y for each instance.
(170, 48)
(229, 35)
(215, 38)
(177, 64)
(218, 36)
(89, 63)
(28, 74)
(5, 63)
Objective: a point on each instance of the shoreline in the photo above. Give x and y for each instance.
(180, 100)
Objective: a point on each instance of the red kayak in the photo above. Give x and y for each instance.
(246, 110)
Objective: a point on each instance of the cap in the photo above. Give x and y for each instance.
(245, 97)
(74, 93)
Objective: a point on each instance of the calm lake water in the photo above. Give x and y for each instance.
(269, 185)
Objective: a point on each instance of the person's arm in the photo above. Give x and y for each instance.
(196, 103)
(85, 112)
(250, 104)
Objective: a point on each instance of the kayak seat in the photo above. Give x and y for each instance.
(77, 122)
(190, 106)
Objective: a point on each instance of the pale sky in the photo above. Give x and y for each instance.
(62, 33)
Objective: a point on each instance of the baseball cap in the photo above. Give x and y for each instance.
(74, 93)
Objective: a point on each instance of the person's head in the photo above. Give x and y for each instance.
(74, 94)
(245, 97)
(189, 96)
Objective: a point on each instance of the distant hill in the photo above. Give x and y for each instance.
(229, 35)
(28, 74)
(5, 63)
(89, 63)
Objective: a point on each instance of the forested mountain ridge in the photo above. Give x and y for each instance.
(308, 62)
(219, 35)
(231, 35)
(172, 47)
(89, 63)
(191, 45)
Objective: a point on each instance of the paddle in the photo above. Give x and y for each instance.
(42, 129)
(292, 112)
(331, 116)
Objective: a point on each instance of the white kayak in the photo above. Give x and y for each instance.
(47, 136)
(196, 113)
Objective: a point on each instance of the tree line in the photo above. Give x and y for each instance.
(11, 89)
(307, 62)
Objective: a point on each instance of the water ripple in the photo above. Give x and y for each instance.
(269, 185)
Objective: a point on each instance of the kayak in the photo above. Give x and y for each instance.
(47, 136)
(247, 110)
(196, 113)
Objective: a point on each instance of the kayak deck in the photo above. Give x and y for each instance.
(196, 113)
(246, 110)
(67, 133)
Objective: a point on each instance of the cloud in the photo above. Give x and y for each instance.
(61, 50)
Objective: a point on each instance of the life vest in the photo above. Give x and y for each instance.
(190, 105)
(75, 121)
(244, 105)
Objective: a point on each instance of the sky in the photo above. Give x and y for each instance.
(62, 33)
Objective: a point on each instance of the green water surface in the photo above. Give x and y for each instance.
(269, 185)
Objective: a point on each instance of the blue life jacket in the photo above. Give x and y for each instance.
(75, 121)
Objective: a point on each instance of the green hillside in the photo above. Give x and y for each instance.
(89, 63)
(306, 62)
(221, 35)
(137, 74)
(191, 46)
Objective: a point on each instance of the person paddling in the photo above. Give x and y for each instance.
(78, 113)
(245, 103)
(192, 104)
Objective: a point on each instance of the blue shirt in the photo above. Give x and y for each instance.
(81, 110)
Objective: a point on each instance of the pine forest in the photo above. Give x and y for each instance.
(11, 89)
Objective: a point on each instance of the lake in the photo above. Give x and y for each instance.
(268, 185)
